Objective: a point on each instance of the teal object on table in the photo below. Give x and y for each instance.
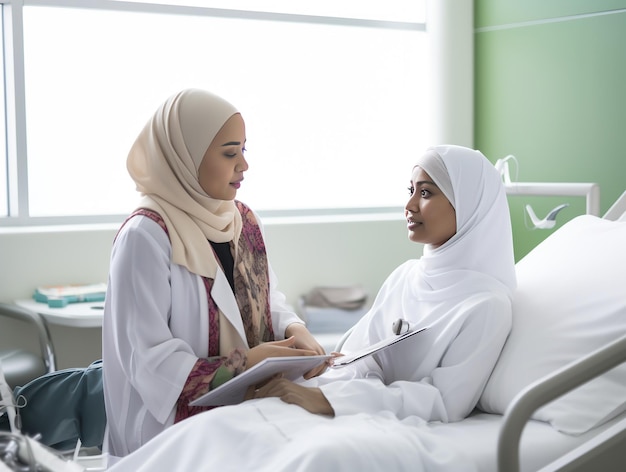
(64, 300)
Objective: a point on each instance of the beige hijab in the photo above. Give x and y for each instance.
(164, 162)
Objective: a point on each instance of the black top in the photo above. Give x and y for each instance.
(222, 250)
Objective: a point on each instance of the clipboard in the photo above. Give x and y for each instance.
(234, 391)
(380, 346)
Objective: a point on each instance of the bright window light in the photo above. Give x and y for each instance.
(391, 10)
(4, 189)
(335, 112)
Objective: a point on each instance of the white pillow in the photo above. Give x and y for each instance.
(570, 301)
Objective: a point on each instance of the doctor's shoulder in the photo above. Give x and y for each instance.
(252, 227)
(147, 229)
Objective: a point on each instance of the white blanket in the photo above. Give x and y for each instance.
(269, 435)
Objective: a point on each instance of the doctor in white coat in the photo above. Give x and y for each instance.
(372, 414)
(191, 298)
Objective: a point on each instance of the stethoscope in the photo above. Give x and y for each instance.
(400, 326)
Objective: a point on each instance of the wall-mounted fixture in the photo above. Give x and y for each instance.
(549, 221)
(591, 192)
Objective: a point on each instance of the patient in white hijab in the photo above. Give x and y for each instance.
(460, 289)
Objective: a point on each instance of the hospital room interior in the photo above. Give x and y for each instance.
(537, 87)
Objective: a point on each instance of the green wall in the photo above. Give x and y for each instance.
(551, 90)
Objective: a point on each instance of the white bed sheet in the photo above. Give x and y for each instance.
(354, 443)
(477, 437)
(269, 435)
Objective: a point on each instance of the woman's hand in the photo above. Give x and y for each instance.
(311, 399)
(284, 348)
(305, 340)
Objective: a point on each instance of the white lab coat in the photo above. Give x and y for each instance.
(155, 328)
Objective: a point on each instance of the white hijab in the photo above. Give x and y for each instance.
(164, 162)
(478, 259)
(480, 255)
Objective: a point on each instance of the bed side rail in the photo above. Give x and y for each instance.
(547, 389)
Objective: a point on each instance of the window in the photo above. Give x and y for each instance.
(335, 99)
(4, 197)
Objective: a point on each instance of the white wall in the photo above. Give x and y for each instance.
(303, 255)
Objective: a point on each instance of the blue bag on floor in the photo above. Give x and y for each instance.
(65, 406)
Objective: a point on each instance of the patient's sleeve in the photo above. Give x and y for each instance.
(444, 376)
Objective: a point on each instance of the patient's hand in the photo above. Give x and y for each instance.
(284, 348)
(311, 399)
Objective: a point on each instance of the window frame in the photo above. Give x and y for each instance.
(16, 132)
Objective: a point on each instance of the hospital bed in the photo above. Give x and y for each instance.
(538, 410)
(556, 400)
